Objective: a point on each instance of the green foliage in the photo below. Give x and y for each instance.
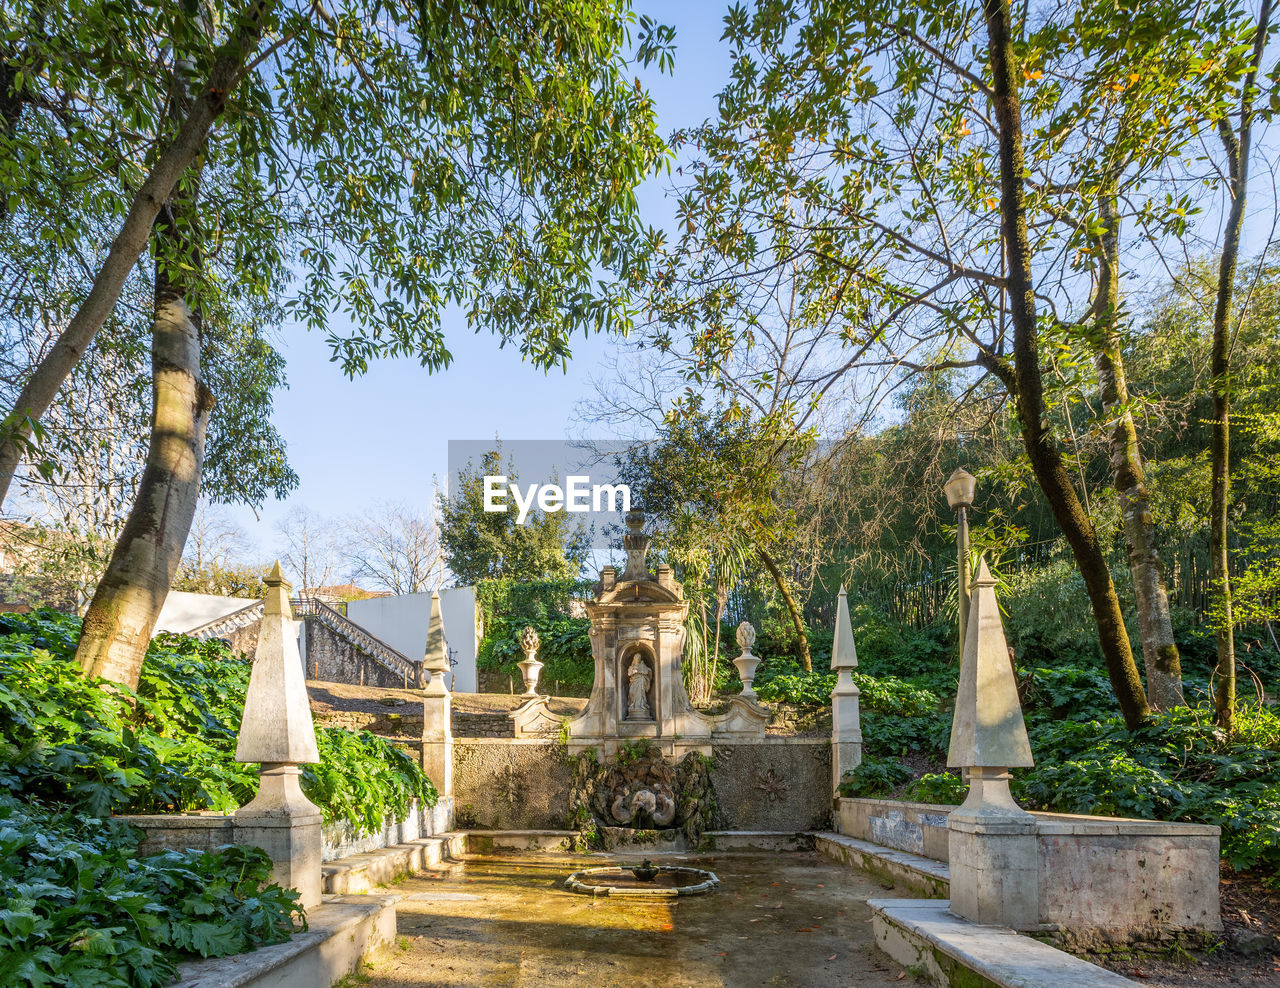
(1175, 767)
(875, 776)
(79, 907)
(1066, 693)
(484, 545)
(65, 741)
(938, 787)
(510, 606)
(528, 600)
(783, 681)
(363, 778)
(223, 581)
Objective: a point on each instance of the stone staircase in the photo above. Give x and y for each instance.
(399, 666)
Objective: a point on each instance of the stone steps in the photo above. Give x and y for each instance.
(757, 840)
(504, 841)
(342, 934)
(923, 936)
(912, 872)
(359, 873)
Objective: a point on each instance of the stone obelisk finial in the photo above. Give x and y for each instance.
(846, 726)
(987, 729)
(276, 731)
(277, 725)
(991, 840)
(436, 660)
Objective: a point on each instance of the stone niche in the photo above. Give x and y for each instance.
(637, 643)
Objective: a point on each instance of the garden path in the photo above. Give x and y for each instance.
(783, 919)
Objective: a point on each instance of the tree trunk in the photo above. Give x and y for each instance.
(1237, 151)
(805, 659)
(722, 603)
(127, 602)
(126, 605)
(1159, 651)
(42, 386)
(1042, 449)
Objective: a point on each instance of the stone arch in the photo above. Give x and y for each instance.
(625, 656)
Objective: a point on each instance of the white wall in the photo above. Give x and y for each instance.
(184, 611)
(402, 621)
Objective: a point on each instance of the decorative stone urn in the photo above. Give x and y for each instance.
(530, 667)
(746, 662)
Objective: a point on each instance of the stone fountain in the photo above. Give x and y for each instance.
(645, 750)
(637, 643)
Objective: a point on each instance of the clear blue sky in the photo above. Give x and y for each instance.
(383, 436)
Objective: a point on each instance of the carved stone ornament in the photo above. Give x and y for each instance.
(771, 785)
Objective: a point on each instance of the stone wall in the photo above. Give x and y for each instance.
(243, 641)
(392, 723)
(205, 831)
(1105, 872)
(510, 784)
(492, 681)
(333, 659)
(182, 831)
(341, 839)
(1117, 874)
(497, 725)
(779, 784)
(918, 828)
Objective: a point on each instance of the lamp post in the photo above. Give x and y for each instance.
(959, 488)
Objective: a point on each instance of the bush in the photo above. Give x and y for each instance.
(875, 776)
(564, 648)
(77, 904)
(509, 607)
(78, 907)
(1067, 693)
(938, 787)
(64, 741)
(1176, 766)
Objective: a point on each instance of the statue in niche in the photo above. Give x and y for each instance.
(639, 678)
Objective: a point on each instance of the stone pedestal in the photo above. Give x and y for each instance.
(846, 720)
(991, 841)
(285, 824)
(993, 854)
(276, 731)
(437, 743)
(437, 707)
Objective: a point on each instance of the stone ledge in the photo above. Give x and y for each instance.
(359, 873)
(923, 936)
(343, 933)
(757, 840)
(1073, 823)
(491, 841)
(913, 872)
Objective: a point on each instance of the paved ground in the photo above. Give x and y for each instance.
(784, 920)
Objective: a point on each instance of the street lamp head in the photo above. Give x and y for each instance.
(960, 488)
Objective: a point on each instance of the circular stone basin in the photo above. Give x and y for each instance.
(670, 881)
